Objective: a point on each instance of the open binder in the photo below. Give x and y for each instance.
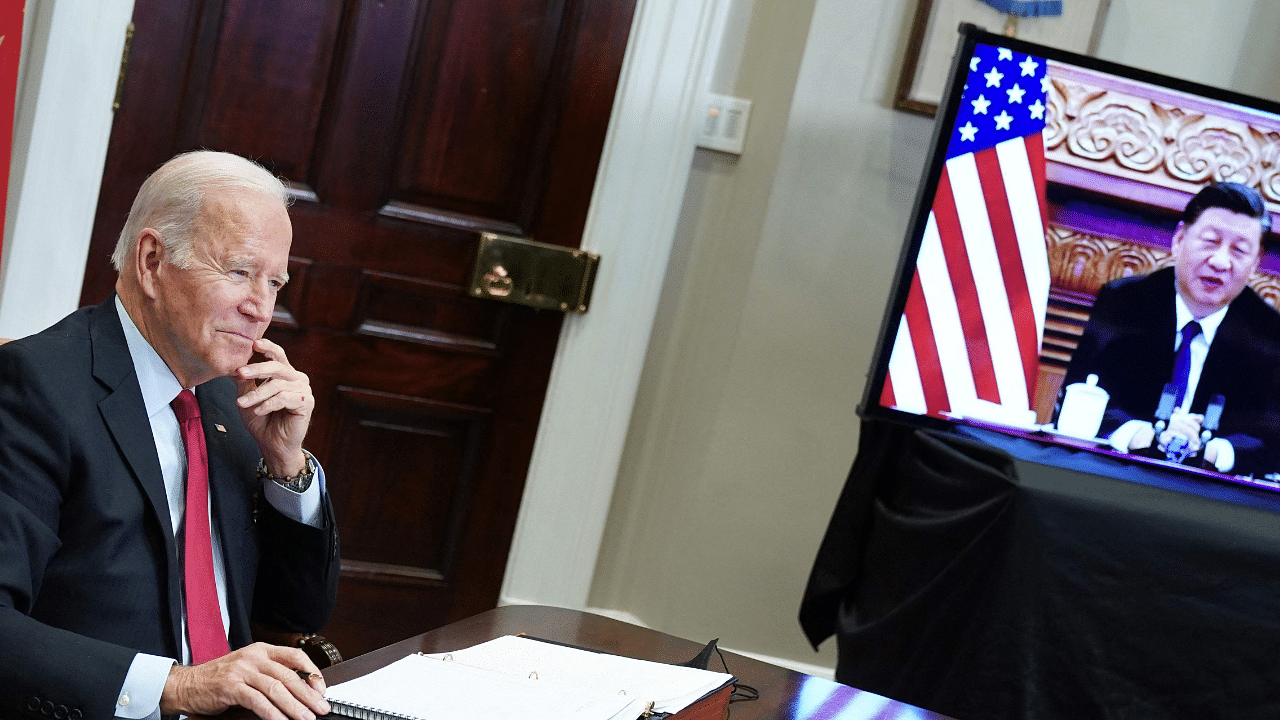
(518, 676)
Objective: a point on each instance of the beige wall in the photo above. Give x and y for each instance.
(745, 423)
(1223, 43)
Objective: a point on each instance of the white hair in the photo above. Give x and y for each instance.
(172, 199)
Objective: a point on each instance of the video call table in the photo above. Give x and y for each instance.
(972, 574)
(784, 694)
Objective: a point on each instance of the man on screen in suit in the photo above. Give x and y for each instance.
(1134, 341)
(137, 539)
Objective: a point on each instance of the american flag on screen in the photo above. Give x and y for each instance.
(975, 312)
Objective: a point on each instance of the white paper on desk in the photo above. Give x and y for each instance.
(424, 688)
(670, 687)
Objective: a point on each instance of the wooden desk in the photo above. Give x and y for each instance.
(784, 694)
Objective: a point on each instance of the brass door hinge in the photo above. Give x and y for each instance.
(124, 66)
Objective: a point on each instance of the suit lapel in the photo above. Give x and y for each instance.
(1165, 312)
(125, 416)
(1226, 351)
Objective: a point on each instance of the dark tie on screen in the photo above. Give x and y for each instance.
(1182, 364)
(204, 619)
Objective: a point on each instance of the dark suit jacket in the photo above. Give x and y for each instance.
(89, 570)
(1128, 343)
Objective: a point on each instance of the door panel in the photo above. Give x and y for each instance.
(263, 93)
(404, 129)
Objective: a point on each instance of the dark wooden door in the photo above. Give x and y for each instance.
(405, 128)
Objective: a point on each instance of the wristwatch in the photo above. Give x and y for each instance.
(294, 483)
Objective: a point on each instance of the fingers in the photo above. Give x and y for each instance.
(262, 678)
(276, 403)
(258, 373)
(276, 364)
(280, 686)
(1143, 438)
(1186, 425)
(315, 680)
(1192, 438)
(1184, 420)
(274, 395)
(273, 385)
(271, 350)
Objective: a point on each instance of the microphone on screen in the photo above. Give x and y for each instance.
(1212, 416)
(1164, 410)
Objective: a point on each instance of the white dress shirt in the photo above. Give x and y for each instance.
(144, 683)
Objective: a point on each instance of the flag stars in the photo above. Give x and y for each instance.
(1001, 99)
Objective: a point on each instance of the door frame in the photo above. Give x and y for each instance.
(635, 207)
(70, 61)
(60, 150)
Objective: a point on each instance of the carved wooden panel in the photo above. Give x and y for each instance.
(1158, 136)
(1267, 286)
(1084, 263)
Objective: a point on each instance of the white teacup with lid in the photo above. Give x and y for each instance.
(1083, 405)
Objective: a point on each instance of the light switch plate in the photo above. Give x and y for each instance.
(724, 126)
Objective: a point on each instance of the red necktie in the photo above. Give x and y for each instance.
(204, 619)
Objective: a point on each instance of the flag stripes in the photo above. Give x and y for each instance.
(996, 193)
(924, 348)
(973, 322)
(975, 351)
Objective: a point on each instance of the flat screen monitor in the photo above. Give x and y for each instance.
(1090, 263)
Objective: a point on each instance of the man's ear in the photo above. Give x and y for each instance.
(149, 261)
(1178, 233)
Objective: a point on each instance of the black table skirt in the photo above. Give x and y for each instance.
(966, 573)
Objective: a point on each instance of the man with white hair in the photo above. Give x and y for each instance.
(154, 494)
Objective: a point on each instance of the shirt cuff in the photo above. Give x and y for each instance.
(143, 685)
(303, 507)
(1123, 435)
(1226, 454)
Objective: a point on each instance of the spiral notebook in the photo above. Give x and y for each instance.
(515, 676)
